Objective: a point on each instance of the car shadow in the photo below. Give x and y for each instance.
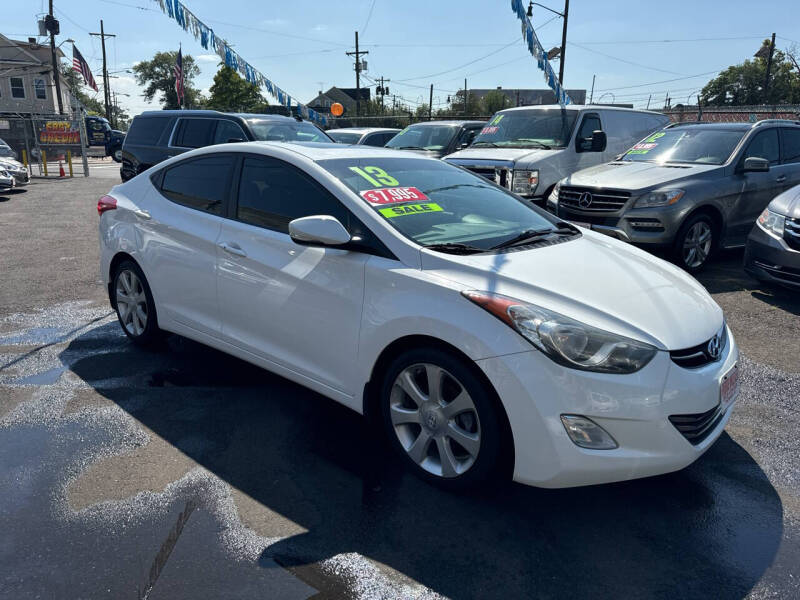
(7, 194)
(713, 526)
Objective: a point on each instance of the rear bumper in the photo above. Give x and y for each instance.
(770, 259)
(633, 409)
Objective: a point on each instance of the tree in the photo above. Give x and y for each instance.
(474, 107)
(159, 78)
(743, 84)
(74, 82)
(232, 93)
(494, 101)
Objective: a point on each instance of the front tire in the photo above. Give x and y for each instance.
(440, 418)
(134, 304)
(695, 242)
(117, 155)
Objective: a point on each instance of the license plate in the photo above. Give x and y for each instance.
(729, 387)
(582, 224)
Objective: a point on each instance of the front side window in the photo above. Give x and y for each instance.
(432, 202)
(791, 145)
(226, 131)
(40, 89)
(194, 133)
(534, 128)
(200, 183)
(424, 137)
(17, 87)
(590, 124)
(686, 145)
(272, 193)
(764, 145)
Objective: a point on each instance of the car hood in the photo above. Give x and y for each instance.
(634, 176)
(787, 203)
(11, 162)
(599, 281)
(469, 156)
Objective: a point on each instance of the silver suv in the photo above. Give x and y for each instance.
(692, 188)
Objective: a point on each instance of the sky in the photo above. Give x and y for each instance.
(638, 51)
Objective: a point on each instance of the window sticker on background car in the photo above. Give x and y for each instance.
(489, 130)
(393, 195)
(410, 209)
(375, 175)
(653, 137)
(643, 148)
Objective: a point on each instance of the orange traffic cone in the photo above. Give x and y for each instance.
(61, 170)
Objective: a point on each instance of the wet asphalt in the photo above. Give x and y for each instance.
(185, 473)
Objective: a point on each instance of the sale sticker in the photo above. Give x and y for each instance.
(489, 130)
(649, 146)
(393, 195)
(410, 209)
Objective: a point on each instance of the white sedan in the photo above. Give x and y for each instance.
(482, 334)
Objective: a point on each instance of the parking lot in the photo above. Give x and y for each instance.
(130, 472)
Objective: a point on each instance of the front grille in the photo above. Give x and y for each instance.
(700, 355)
(487, 172)
(592, 200)
(791, 233)
(697, 427)
(593, 219)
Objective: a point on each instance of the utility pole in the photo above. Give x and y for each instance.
(430, 104)
(769, 68)
(650, 97)
(358, 54)
(52, 26)
(563, 44)
(106, 91)
(382, 90)
(591, 95)
(466, 96)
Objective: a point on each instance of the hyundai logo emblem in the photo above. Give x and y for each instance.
(715, 347)
(585, 201)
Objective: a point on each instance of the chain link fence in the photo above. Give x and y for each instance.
(733, 114)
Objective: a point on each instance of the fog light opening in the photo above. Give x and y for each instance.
(587, 434)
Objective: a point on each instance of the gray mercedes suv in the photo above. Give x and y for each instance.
(692, 188)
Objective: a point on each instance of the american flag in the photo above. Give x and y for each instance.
(80, 65)
(179, 77)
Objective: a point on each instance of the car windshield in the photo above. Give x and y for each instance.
(424, 137)
(535, 128)
(269, 130)
(344, 137)
(434, 203)
(6, 152)
(686, 145)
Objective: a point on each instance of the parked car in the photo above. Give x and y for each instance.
(473, 327)
(7, 181)
(436, 138)
(367, 136)
(13, 167)
(528, 150)
(157, 135)
(114, 146)
(772, 253)
(99, 133)
(691, 188)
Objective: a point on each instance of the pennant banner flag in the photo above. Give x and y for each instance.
(176, 10)
(539, 53)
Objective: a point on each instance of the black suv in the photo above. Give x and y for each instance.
(157, 135)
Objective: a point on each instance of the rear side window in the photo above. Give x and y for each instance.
(764, 145)
(194, 133)
(791, 145)
(201, 183)
(228, 130)
(146, 130)
(272, 193)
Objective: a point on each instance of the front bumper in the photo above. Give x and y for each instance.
(634, 409)
(770, 259)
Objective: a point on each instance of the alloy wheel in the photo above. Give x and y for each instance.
(131, 302)
(697, 244)
(435, 420)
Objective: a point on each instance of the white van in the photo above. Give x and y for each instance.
(529, 149)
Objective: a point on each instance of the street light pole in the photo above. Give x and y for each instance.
(565, 16)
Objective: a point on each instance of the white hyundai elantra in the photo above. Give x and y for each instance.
(474, 328)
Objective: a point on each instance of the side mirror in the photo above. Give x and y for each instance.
(754, 164)
(318, 230)
(599, 141)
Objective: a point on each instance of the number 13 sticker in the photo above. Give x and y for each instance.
(375, 175)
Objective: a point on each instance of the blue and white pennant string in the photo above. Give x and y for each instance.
(186, 19)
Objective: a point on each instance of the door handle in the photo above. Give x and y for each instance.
(142, 214)
(232, 248)
(781, 179)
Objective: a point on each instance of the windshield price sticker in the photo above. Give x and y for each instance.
(393, 195)
(375, 175)
(654, 137)
(489, 130)
(643, 148)
(410, 209)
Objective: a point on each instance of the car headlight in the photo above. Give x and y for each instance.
(663, 198)
(565, 340)
(524, 183)
(771, 222)
(553, 197)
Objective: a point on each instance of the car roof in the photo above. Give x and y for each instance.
(362, 130)
(451, 123)
(325, 150)
(735, 126)
(214, 113)
(577, 107)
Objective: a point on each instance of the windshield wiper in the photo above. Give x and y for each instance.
(454, 248)
(492, 144)
(534, 143)
(530, 235)
(409, 148)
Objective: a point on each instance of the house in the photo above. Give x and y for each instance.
(344, 96)
(26, 79)
(522, 97)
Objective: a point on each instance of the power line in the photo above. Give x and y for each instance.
(369, 16)
(684, 40)
(622, 60)
(628, 87)
(460, 66)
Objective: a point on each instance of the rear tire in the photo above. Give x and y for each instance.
(134, 304)
(440, 419)
(695, 243)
